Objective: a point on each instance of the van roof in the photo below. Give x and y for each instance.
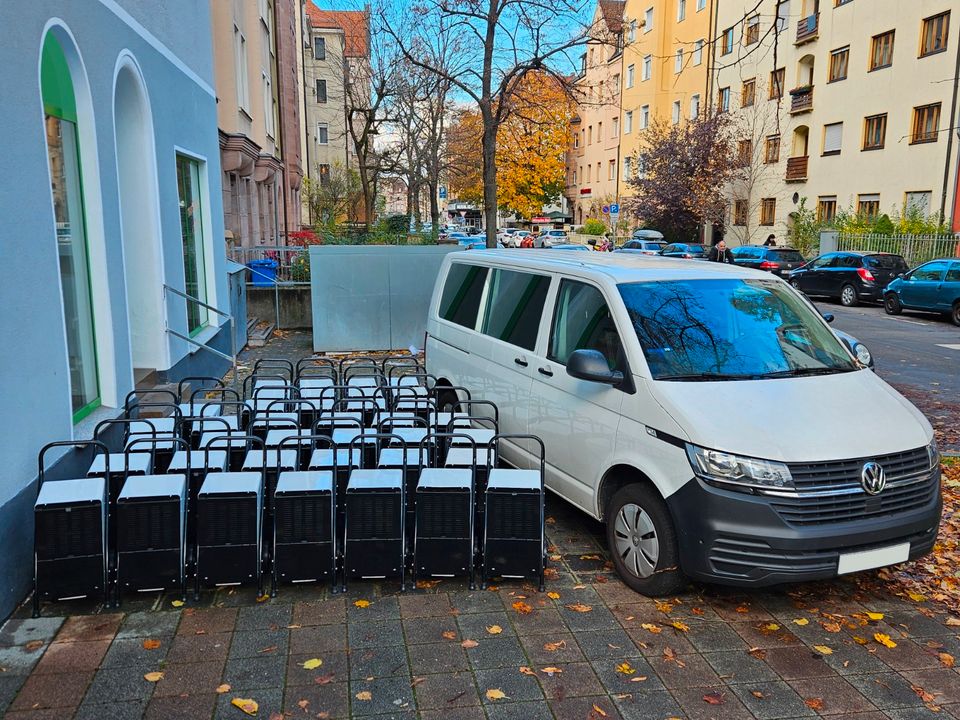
(619, 267)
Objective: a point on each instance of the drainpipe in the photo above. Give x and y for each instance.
(306, 145)
(280, 116)
(950, 131)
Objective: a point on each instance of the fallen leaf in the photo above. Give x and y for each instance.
(426, 584)
(758, 653)
(946, 659)
(364, 695)
(303, 704)
(272, 648)
(527, 671)
(682, 627)
(361, 603)
(323, 679)
(713, 698)
(743, 609)
(579, 607)
(860, 640)
(599, 711)
(33, 645)
(467, 644)
(801, 621)
(550, 521)
(671, 655)
(875, 616)
(417, 681)
(664, 607)
(250, 707)
(814, 703)
(638, 678)
(551, 671)
(221, 689)
(522, 608)
(953, 622)
(151, 644)
(823, 649)
(312, 664)
(831, 627)
(553, 595)
(589, 557)
(697, 611)
(757, 694)
(625, 668)
(923, 694)
(771, 627)
(554, 646)
(655, 629)
(884, 640)
(153, 676)
(495, 694)
(917, 597)
(449, 634)
(177, 603)
(263, 598)
(494, 629)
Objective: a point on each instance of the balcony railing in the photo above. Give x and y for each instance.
(801, 100)
(797, 168)
(807, 29)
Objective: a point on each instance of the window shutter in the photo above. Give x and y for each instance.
(832, 137)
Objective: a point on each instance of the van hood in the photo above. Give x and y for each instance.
(806, 419)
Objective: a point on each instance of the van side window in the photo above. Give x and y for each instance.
(581, 321)
(460, 301)
(514, 307)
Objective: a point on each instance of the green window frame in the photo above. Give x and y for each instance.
(66, 184)
(191, 235)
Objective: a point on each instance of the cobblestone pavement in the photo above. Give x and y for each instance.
(587, 649)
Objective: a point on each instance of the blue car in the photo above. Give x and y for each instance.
(934, 287)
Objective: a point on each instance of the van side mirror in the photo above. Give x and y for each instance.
(591, 365)
(828, 317)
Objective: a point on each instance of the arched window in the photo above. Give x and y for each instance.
(63, 152)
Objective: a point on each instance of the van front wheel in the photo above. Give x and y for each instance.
(643, 542)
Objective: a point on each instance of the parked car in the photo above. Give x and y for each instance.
(778, 260)
(570, 246)
(642, 247)
(683, 250)
(514, 236)
(549, 238)
(934, 286)
(710, 412)
(848, 276)
(647, 234)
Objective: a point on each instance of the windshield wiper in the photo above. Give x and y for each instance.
(707, 377)
(801, 372)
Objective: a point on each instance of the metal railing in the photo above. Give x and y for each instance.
(801, 100)
(915, 249)
(232, 358)
(293, 263)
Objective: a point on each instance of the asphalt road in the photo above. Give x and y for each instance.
(918, 349)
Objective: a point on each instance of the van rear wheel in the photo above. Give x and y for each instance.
(643, 542)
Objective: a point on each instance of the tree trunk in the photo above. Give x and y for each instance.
(489, 151)
(433, 184)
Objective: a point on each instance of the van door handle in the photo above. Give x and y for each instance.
(545, 371)
(521, 362)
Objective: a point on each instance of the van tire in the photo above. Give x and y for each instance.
(666, 578)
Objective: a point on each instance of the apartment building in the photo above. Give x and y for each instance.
(844, 104)
(593, 178)
(666, 62)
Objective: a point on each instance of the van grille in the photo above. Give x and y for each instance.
(838, 474)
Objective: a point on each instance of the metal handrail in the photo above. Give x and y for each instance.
(233, 329)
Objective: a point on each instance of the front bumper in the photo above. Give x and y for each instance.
(734, 538)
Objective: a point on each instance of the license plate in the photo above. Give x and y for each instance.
(869, 559)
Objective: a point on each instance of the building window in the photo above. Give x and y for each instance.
(268, 118)
(701, 5)
(615, 83)
(776, 83)
(644, 117)
(576, 139)
(918, 202)
(868, 206)
(698, 52)
(741, 209)
(589, 169)
(935, 31)
(745, 152)
(191, 234)
(574, 177)
(881, 51)
(627, 168)
(832, 138)
(681, 10)
(752, 33)
(678, 62)
(321, 91)
(826, 208)
(771, 153)
(695, 106)
(590, 135)
(726, 46)
(768, 211)
(616, 127)
(631, 71)
(240, 66)
(874, 131)
(748, 93)
(323, 136)
(723, 100)
(599, 131)
(839, 59)
(632, 32)
(63, 156)
(324, 172)
(628, 122)
(612, 170)
(783, 15)
(647, 67)
(675, 116)
(926, 122)
(838, 3)
(319, 48)
(583, 64)
(648, 20)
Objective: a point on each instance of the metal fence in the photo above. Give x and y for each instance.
(293, 263)
(915, 249)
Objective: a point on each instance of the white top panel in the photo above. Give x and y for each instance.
(140, 487)
(68, 492)
(463, 457)
(375, 480)
(324, 458)
(394, 457)
(504, 479)
(231, 483)
(218, 460)
(139, 462)
(445, 479)
(254, 459)
(305, 481)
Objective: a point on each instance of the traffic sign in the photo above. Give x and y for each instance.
(606, 209)
(614, 209)
(443, 193)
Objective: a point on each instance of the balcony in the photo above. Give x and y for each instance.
(808, 29)
(797, 168)
(801, 100)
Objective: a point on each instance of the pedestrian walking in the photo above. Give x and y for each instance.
(771, 241)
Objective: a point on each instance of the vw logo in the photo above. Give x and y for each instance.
(872, 478)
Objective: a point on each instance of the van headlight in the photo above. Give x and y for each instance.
(933, 453)
(738, 472)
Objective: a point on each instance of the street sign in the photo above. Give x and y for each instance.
(606, 209)
(614, 209)
(443, 193)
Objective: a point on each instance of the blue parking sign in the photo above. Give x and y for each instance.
(443, 193)
(615, 209)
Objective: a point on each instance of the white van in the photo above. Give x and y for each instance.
(707, 413)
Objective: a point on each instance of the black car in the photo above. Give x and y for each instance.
(779, 261)
(684, 250)
(849, 276)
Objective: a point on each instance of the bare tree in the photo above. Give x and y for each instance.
(483, 49)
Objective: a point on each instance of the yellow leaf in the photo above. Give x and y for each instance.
(946, 659)
(522, 608)
(801, 621)
(953, 622)
(177, 603)
(151, 644)
(263, 598)
(771, 627)
(917, 597)
(823, 649)
(153, 676)
(664, 607)
(884, 640)
(527, 671)
(859, 640)
(250, 707)
(553, 595)
(361, 603)
(312, 664)
(551, 671)
(625, 668)
(554, 646)
(682, 627)
(599, 711)
(494, 629)
(656, 629)
(875, 616)
(495, 694)
(221, 689)
(364, 695)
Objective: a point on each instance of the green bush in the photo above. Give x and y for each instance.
(593, 227)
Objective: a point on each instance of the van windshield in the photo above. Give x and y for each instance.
(730, 329)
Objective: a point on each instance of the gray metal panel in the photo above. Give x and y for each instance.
(304, 481)
(445, 479)
(141, 487)
(67, 492)
(502, 479)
